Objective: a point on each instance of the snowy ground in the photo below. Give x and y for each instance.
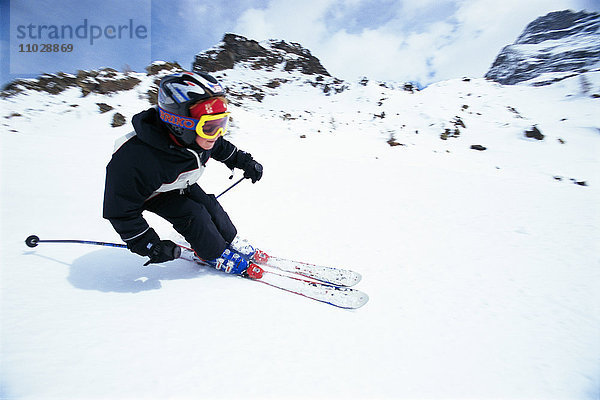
(482, 268)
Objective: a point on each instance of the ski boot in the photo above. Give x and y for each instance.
(243, 246)
(250, 252)
(234, 262)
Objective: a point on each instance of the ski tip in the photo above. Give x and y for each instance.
(362, 300)
(349, 280)
(353, 300)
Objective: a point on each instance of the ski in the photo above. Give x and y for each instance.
(331, 275)
(289, 281)
(339, 296)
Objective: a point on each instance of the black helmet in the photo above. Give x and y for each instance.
(178, 92)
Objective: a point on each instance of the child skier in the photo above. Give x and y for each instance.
(155, 168)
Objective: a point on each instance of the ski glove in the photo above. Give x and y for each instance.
(252, 169)
(163, 251)
(149, 244)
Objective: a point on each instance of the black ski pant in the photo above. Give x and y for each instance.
(198, 217)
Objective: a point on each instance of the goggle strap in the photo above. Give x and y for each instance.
(194, 124)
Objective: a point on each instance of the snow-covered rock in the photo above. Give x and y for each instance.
(563, 41)
(267, 55)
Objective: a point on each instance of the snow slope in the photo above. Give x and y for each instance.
(482, 266)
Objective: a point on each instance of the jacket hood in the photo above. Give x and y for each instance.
(150, 129)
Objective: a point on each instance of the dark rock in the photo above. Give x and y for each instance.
(458, 122)
(104, 107)
(478, 147)
(409, 87)
(392, 142)
(152, 95)
(275, 83)
(156, 67)
(118, 120)
(514, 111)
(450, 133)
(534, 133)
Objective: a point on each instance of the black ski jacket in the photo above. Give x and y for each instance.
(147, 162)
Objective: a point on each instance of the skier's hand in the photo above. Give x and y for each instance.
(163, 251)
(253, 170)
(149, 244)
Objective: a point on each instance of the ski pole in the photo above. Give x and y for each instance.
(33, 241)
(229, 188)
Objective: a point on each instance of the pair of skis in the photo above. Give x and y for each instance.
(325, 284)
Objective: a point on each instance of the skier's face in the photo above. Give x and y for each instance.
(206, 144)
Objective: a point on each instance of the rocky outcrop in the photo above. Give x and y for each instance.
(562, 41)
(272, 54)
(103, 81)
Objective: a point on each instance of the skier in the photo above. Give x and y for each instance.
(155, 168)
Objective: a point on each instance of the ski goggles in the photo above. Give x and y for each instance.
(212, 126)
(209, 126)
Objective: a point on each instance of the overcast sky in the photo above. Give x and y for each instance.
(403, 40)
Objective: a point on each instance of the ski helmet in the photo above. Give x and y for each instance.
(177, 93)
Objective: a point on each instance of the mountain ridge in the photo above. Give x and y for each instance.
(563, 42)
